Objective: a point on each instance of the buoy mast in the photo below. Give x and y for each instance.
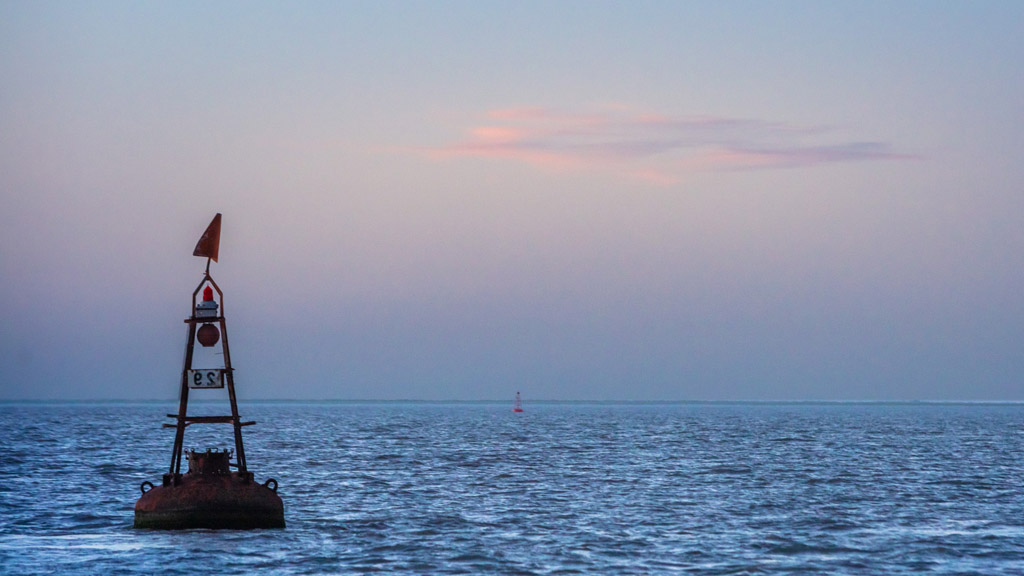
(203, 330)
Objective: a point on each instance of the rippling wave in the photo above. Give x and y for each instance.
(560, 489)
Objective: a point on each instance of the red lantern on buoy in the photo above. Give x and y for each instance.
(208, 307)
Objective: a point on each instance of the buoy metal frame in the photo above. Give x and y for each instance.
(183, 420)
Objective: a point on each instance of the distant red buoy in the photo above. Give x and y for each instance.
(518, 406)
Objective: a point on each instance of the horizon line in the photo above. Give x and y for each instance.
(546, 401)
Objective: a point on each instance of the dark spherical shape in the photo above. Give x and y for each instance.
(208, 335)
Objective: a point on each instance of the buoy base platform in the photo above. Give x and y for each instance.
(210, 499)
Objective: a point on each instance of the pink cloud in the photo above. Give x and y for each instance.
(652, 147)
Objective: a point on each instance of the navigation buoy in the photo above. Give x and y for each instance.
(518, 406)
(210, 494)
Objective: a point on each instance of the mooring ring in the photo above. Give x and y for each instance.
(143, 486)
(268, 483)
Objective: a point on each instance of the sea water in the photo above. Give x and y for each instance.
(413, 488)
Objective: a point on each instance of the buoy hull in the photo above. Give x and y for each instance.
(228, 501)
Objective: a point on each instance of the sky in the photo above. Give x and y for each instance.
(461, 200)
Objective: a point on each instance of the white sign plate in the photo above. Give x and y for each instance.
(209, 378)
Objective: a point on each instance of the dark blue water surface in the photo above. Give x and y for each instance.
(410, 488)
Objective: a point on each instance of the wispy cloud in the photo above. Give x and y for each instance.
(653, 147)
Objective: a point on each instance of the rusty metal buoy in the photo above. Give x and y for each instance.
(210, 494)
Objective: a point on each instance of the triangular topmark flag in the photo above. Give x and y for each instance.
(209, 245)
